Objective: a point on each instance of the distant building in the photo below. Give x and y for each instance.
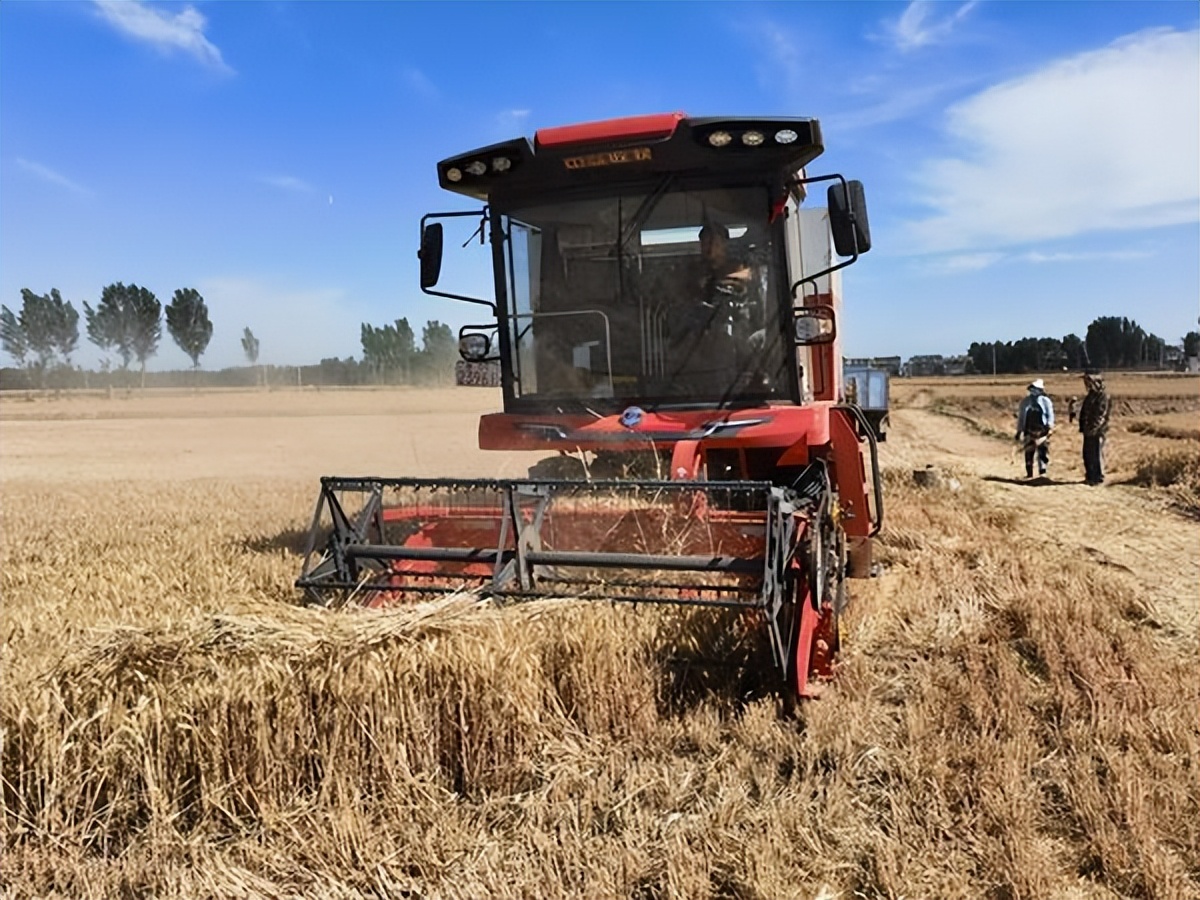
(959, 365)
(918, 366)
(889, 364)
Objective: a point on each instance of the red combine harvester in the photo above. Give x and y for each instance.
(666, 318)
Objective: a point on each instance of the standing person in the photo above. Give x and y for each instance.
(1035, 421)
(1093, 425)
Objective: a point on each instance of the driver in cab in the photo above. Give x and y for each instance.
(715, 284)
(714, 328)
(721, 275)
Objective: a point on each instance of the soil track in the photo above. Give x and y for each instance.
(1115, 525)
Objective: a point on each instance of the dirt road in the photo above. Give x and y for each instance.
(1118, 526)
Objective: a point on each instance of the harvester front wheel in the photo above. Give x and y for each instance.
(820, 598)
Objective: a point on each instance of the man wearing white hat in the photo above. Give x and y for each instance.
(1035, 421)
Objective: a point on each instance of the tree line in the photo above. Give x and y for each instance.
(128, 321)
(390, 352)
(1111, 342)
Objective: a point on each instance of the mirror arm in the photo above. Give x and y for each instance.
(853, 259)
(449, 296)
(807, 278)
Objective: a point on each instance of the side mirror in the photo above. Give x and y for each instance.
(430, 254)
(474, 347)
(814, 325)
(848, 218)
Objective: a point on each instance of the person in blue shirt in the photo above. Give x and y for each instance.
(1035, 421)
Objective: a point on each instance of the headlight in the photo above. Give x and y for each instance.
(719, 138)
(752, 138)
(454, 174)
(785, 136)
(477, 167)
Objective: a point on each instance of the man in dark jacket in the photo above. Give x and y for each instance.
(1093, 425)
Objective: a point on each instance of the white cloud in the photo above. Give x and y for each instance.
(47, 174)
(777, 49)
(157, 27)
(1103, 141)
(924, 23)
(898, 103)
(287, 183)
(959, 263)
(1036, 256)
(511, 122)
(420, 84)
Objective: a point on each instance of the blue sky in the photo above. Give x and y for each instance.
(1029, 166)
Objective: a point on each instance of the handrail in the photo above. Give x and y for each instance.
(577, 312)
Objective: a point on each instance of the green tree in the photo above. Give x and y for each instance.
(1074, 351)
(438, 351)
(1154, 349)
(128, 319)
(188, 323)
(1115, 342)
(250, 348)
(46, 327)
(389, 350)
(1191, 343)
(64, 324)
(12, 336)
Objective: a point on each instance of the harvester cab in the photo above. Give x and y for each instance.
(666, 319)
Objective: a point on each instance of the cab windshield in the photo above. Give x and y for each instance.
(660, 296)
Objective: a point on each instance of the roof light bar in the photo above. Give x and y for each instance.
(738, 134)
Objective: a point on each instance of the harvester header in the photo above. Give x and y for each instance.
(665, 318)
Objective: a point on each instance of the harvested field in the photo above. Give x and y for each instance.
(1152, 439)
(1014, 716)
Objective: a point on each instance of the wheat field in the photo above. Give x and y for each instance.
(1014, 715)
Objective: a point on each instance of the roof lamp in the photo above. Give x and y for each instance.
(785, 136)
(476, 167)
(719, 138)
(454, 174)
(501, 164)
(752, 138)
